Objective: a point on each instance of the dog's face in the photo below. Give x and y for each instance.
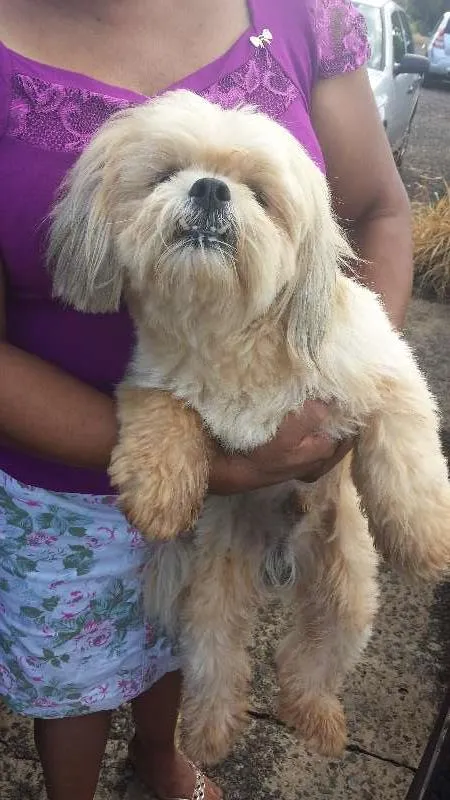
(200, 214)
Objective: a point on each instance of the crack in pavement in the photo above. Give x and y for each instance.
(351, 748)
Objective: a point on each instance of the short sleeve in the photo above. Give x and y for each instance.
(341, 37)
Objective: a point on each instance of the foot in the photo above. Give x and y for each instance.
(169, 774)
(319, 720)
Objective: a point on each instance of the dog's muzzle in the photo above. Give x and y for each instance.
(207, 220)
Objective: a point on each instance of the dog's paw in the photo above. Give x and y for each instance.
(318, 719)
(158, 502)
(160, 464)
(160, 522)
(209, 736)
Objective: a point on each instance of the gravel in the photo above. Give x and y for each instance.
(426, 166)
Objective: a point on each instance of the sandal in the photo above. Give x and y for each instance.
(199, 788)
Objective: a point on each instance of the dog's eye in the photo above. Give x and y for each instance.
(261, 198)
(162, 177)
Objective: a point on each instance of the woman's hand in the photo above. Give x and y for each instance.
(299, 450)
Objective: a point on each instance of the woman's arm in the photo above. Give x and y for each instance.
(50, 413)
(368, 193)
(53, 415)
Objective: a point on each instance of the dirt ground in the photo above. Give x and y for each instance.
(427, 162)
(425, 171)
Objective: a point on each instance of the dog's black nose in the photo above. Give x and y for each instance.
(210, 194)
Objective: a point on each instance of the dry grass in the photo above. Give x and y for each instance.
(431, 232)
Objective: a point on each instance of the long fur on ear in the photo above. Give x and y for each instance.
(323, 249)
(85, 271)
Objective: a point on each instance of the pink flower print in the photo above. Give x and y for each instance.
(95, 695)
(94, 544)
(47, 630)
(111, 533)
(68, 615)
(55, 584)
(30, 503)
(102, 636)
(32, 661)
(6, 678)
(75, 597)
(45, 702)
(91, 627)
(129, 688)
(136, 539)
(100, 639)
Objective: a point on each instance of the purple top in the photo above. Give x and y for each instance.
(47, 116)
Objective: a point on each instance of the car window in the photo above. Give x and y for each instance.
(398, 38)
(409, 39)
(375, 33)
(440, 26)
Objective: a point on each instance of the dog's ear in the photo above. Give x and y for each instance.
(81, 257)
(322, 250)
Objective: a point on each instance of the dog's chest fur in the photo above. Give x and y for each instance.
(242, 388)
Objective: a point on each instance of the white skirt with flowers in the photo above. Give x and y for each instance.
(73, 636)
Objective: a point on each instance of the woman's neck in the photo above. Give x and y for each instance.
(141, 45)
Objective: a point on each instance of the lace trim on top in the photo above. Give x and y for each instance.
(64, 118)
(261, 81)
(56, 117)
(341, 35)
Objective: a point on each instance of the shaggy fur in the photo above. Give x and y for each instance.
(243, 310)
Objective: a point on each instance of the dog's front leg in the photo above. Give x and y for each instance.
(333, 604)
(401, 475)
(215, 627)
(160, 463)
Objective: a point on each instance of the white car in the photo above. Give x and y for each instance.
(395, 70)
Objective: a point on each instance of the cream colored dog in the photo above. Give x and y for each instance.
(217, 228)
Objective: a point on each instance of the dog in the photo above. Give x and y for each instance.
(217, 229)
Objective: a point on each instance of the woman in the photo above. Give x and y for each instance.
(73, 640)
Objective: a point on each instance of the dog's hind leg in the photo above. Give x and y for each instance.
(215, 629)
(401, 475)
(333, 605)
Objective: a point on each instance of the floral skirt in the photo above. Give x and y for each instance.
(73, 636)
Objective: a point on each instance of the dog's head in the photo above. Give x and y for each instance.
(199, 214)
